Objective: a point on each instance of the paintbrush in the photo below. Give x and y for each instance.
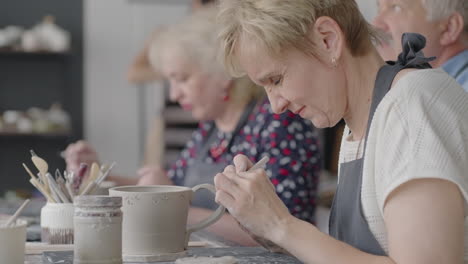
(93, 184)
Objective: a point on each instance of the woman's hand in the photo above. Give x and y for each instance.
(250, 197)
(153, 175)
(80, 152)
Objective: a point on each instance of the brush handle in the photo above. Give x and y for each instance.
(260, 164)
(17, 213)
(103, 176)
(41, 189)
(54, 187)
(98, 181)
(70, 190)
(89, 188)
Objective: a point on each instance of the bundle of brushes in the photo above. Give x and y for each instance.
(64, 188)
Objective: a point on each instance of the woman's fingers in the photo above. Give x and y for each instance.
(229, 168)
(225, 199)
(143, 171)
(80, 152)
(227, 181)
(242, 163)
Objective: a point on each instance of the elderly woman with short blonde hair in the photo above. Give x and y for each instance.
(403, 185)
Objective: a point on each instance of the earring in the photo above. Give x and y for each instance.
(333, 61)
(226, 96)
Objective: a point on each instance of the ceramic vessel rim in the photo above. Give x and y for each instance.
(20, 223)
(60, 205)
(130, 189)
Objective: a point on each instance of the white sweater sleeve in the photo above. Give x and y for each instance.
(420, 131)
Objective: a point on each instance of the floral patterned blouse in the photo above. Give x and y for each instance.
(289, 141)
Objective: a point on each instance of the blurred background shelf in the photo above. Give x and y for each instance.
(174, 115)
(39, 79)
(26, 54)
(51, 135)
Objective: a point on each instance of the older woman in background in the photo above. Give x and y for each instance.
(235, 117)
(403, 184)
(140, 70)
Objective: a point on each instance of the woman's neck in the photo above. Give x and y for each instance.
(361, 74)
(231, 115)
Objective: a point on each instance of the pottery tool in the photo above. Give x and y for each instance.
(39, 186)
(28, 171)
(197, 244)
(42, 166)
(61, 184)
(63, 154)
(41, 189)
(54, 187)
(54, 195)
(79, 177)
(261, 163)
(16, 214)
(92, 176)
(93, 184)
(68, 184)
(102, 177)
(38, 180)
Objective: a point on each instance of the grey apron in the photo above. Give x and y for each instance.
(202, 172)
(347, 222)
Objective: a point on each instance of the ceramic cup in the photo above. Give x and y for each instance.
(155, 218)
(12, 241)
(57, 223)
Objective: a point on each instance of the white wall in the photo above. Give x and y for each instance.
(368, 8)
(114, 30)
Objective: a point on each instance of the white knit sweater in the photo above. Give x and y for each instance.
(419, 130)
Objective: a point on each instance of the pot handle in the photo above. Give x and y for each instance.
(208, 221)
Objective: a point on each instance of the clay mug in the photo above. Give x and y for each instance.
(155, 218)
(12, 241)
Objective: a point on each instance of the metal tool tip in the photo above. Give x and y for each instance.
(32, 153)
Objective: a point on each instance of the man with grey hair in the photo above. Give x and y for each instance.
(444, 23)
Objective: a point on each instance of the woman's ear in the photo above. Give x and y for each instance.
(329, 38)
(452, 29)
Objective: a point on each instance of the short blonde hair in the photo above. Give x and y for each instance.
(280, 24)
(195, 39)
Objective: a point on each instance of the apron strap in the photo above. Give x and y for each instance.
(213, 130)
(410, 57)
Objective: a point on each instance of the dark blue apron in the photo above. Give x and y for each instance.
(202, 172)
(347, 221)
